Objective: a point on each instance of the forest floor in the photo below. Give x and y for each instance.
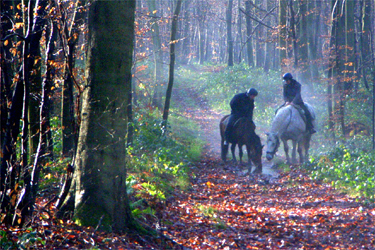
(225, 208)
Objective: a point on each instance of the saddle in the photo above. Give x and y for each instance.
(299, 109)
(242, 118)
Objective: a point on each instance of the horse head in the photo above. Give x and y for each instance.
(273, 143)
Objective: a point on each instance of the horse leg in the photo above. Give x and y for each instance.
(300, 151)
(224, 151)
(307, 147)
(286, 150)
(240, 152)
(294, 152)
(249, 158)
(233, 149)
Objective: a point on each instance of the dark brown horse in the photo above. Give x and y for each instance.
(243, 134)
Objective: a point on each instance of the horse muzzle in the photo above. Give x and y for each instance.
(269, 156)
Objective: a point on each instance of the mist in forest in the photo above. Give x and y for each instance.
(74, 79)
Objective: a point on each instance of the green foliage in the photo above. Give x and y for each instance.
(5, 242)
(30, 240)
(159, 163)
(52, 171)
(212, 214)
(56, 135)
(221, 85)
(349, 169)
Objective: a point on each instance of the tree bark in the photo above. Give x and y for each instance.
(249, 29)
(171, 64)
(157, 56)
(282, 33)
(100, 174)
(229, 33)
(68, 122)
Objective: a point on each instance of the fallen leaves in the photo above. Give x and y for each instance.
(291, 213)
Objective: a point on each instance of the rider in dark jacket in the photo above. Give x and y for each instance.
(242, 105)
(292, 95)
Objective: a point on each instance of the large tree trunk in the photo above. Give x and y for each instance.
(100, 174)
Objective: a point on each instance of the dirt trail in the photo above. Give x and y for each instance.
(209, 120)
(225, 209)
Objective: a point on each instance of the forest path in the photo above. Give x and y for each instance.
(209, 130)
(225, 209)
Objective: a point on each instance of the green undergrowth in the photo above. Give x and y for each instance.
(219, 84)
(348, 169)
(158, 163)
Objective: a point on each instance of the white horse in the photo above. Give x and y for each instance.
(288, 124)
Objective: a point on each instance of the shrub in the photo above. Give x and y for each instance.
(348, 169)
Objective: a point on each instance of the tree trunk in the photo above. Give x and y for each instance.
(45, 144)
(229, 33)
(268, 50)
(293, 33)
(158, 56)
(303, 56)
(100, 173)
(239, 34)
(282, 33)
(365, 41)
(171, 65)
(186, 34)
(201, 35)
(313, 33)
(249, 29)
(68, 122)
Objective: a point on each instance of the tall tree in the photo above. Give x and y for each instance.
(303, 55)
(71, 34)
(171, 63)
(157, 55)
(229, 32)
(365, 42)
(249, 30)
(282, 33)
(100, 174)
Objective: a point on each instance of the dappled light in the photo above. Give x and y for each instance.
(121, 123)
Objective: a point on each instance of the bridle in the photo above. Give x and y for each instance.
(276, 147)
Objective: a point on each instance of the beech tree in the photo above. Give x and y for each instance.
(99, 182)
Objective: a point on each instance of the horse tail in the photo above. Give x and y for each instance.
(224, 148)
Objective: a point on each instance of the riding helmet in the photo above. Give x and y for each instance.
(252, 91)
(287, 76)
